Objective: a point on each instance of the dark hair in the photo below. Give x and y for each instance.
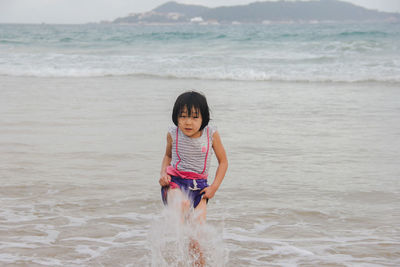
(191, 100)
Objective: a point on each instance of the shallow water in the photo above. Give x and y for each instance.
(312, 181)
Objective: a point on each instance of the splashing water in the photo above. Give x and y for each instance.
(177, 238)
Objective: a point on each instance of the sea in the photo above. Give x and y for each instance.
(309, 115)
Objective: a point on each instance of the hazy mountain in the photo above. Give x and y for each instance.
(188, 10)
(259, 12)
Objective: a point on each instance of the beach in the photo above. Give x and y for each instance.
(313, 177)
(308, 115)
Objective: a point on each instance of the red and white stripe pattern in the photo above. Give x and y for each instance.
(191, 157)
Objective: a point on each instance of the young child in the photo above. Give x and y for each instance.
(188, 154)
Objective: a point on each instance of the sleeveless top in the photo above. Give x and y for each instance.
(191, 157)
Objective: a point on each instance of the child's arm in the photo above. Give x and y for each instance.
(220, 153)
(165, 179)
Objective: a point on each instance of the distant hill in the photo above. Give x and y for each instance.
(260, 12)
(189, 11)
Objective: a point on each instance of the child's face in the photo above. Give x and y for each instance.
(190, 126)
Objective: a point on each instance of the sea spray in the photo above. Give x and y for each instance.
(172, 235)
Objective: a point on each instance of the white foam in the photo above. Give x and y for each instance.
(76, 221)
(130, 233)
(290, 250)
(52, 192)
(248, 238)
(48, 261)
(94, 253)
(51, 237)
(18, 214)
(132, 216)
(94, 240)
(292, 67)
(10, 259)
(239, 75)
(17, 245)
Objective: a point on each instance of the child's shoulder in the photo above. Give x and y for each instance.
(213, 128)
(172, 128)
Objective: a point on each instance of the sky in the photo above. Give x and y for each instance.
(85, 11)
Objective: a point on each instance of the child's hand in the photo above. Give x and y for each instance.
(209, 192)
(165, 180)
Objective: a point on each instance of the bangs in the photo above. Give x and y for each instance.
(189, 109)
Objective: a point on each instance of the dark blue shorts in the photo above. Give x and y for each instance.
(191, 187)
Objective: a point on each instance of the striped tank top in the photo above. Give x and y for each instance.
(191, 157)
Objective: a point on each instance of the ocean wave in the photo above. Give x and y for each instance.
(254, 66)
(178, 35)
(289, 53)
(249, 76)
(11, 42)
(363, 34)
(66, 40)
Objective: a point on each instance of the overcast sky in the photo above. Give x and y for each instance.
(83, 11)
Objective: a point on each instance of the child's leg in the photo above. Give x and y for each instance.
(194, 247)
(196, 253)
(201, 211)
(179, 202)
